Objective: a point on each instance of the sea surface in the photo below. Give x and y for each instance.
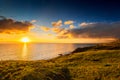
(35, 51)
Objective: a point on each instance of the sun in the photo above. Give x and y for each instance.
(25, 39)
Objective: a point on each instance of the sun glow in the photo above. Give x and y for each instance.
(25, 39)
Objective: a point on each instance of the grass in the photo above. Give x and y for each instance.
(87, 65)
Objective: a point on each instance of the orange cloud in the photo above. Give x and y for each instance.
(57, 24)
(68, 22)
(44, 28)
(57, 30)
(71, 26)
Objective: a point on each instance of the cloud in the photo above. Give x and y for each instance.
(94, 30)
(57, 29)
(68, 22)
(84, 24)
(71, 26)
(57, 24)
(44, 28)
(2, 17)
(12, 26)
(33, 21)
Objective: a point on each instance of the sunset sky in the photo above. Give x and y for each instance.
(60, 21)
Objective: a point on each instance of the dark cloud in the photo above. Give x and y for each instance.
(2, 17)
(94, 30)
(12, 26)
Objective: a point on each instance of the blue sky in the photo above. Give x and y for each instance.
(50, 10)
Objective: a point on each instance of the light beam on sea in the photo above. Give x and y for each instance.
(24, 51)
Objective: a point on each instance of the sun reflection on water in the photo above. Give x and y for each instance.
(24, 51)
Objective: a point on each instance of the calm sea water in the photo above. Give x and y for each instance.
(35, 51)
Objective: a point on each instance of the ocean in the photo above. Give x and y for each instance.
(36, 51)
